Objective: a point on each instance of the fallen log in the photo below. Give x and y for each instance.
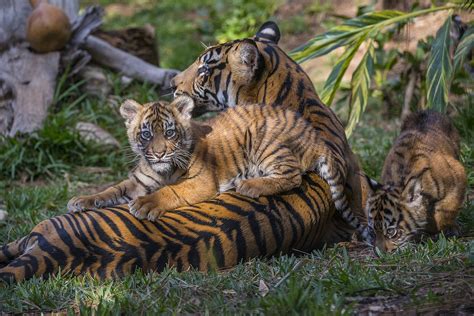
(127, 64)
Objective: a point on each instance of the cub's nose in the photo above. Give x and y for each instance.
(160, 155)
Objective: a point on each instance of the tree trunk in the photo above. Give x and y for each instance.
(28, 82)
(13, 16)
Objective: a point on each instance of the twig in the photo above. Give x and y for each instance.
(409, 94)
(286, 276)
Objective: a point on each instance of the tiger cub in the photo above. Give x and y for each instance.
(424, 183)
(259, 150)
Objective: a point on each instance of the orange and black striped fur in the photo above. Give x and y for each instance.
(218, 233)
(424, 183)
(256, 70)
(257, 149)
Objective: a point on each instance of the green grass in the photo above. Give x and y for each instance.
(335, 281)
(340, 280)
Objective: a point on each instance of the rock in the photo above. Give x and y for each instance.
(92, 132)
(48, 28)
(3, 215)
(263, 288)
(96, 82)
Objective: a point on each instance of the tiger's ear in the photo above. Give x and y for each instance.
(249, 53)
(269, 31)
(129, 110)
(185, 105)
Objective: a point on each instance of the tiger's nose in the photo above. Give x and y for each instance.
(173, 83)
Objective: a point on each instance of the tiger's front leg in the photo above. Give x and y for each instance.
(115, 195)
(187, 192)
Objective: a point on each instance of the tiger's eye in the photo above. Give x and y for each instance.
(392, 232)
(203, 70)
(146, 135)
(169, 133)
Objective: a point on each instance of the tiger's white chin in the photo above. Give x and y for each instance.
(161, 167)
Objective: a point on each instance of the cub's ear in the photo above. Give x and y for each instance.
(185, 105)
(269, 31)
(249, 54)
(129, 110)
(373, 185)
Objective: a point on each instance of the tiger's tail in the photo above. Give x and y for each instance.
(13, 250)
(24, 259)
(12, 265)
(335, 176)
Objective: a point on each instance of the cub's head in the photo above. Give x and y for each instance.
(226, 72)
(160, 132)
(396, 218)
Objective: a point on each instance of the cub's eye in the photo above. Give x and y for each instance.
(169, 133)
(392, 232)
(146, 135)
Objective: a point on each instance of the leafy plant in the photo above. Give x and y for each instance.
(243, 18)
(363, 31)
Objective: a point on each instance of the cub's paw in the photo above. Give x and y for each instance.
(250, 187)
(145, 207)
(82, 203)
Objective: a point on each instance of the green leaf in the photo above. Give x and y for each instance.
(438, 75)
(351, 31)
(360, 85)
(464, 47)
(348, 32)
(334, 80)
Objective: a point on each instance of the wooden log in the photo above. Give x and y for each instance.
(105, 54)
(29, 81)
(6, 105)
(129, 65)
(13, 15)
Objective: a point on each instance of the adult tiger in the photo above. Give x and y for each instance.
(256, 70)
(216, 234)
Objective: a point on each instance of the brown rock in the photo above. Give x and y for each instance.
(48, 28)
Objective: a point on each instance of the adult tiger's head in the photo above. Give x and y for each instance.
(396, 218)
(231, 73)
(160, 132)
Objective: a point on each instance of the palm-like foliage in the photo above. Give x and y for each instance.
(353, 33)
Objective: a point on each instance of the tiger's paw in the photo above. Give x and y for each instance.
(145, 207)
(250, 187)
(83, 203)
